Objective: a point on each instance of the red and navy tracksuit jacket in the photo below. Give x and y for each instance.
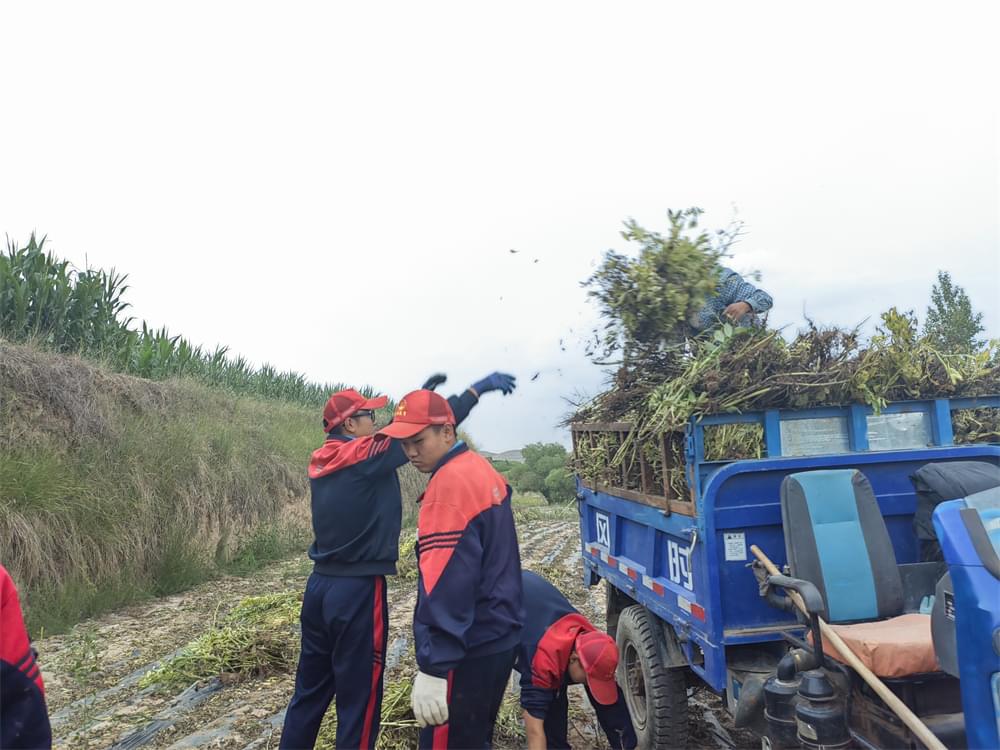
(551, 626)
(469, 592)
(357, 503)
(24, 720)
(356, 515)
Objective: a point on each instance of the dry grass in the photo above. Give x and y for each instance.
(111, 485)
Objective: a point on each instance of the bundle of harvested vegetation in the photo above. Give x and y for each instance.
(398, 729)
(735, 370)
(256, 638)
(745, 369)
(648, 301)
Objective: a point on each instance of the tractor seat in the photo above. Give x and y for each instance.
(898, 647)
(836, 538)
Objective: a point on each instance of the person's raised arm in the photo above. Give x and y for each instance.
(462, 404)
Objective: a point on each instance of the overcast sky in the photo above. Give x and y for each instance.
(335, 187)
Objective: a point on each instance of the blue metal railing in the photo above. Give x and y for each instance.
(850, 427)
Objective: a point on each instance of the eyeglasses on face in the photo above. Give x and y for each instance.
(366, 413)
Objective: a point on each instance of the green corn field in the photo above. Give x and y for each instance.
(48, 302)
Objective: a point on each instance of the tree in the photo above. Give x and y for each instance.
(559, 486)
(544, 470)
(951, 325)
(529, 481)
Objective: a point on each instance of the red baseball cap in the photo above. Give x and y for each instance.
(343, 404)
(415, 411)
(599, 659)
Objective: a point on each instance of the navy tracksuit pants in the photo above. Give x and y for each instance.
(475, 692)
(345, 623)
(614, 720)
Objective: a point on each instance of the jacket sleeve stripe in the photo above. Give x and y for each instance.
(425, 537)
(439, 545)
(24, 659)
(31, 665)
(378, 446)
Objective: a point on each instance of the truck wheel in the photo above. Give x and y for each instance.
(656, 695)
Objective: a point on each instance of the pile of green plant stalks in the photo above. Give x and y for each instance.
(734, 370)
(406, 566)
(257, 638)
(399, 730)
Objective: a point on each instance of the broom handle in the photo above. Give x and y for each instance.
(902, 710)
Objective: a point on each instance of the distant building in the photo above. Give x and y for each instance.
(513, 456)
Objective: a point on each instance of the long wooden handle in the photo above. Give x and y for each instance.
(891, 699)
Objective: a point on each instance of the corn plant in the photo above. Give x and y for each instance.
(48, 302)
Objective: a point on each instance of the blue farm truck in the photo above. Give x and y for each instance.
(878, 524)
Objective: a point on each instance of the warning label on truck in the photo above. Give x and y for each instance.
(736, 545)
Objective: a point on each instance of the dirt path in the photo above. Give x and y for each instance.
(93, 673)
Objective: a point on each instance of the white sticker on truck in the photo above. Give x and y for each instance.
(603, 524)
(736, 546)
(679, 564)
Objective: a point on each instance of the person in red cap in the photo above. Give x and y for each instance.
(356, 518)
(24, 720)
(560, 647)
(467, 621)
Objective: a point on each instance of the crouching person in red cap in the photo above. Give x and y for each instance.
(467, 622)
(560, 647)
(356, 517)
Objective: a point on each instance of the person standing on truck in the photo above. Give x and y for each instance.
(560, 647)
(24, 719)
(467, 622)
(736, 301)
(356, 518)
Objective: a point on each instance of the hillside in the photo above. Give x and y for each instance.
(114, 488)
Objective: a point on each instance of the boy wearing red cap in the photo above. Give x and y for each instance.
(467, 621)
(356, 518)
(24, 721)
(559, 647)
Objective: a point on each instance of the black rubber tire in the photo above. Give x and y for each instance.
(656, 695)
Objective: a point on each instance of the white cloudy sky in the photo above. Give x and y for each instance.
(334, 187)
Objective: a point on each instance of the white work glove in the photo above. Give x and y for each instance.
(430, 700)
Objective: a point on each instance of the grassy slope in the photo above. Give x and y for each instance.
(113, 487)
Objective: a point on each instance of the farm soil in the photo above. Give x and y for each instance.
(93, 673)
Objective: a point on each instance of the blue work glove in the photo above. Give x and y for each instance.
(498, 381)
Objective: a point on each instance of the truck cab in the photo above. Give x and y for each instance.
(669, 525)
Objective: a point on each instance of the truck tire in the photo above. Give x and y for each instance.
(656, 695)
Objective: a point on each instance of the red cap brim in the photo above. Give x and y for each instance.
(401, 430)
(375, 403)
(605, 693)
